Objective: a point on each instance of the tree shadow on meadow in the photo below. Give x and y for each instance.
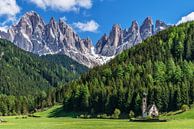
(59, 112)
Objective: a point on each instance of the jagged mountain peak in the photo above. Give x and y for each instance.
(33, 35)
(116, 26)
(135, 25)
(148, 21)
(127, 38)
(32, 15)
(64, 26)
(32, 12)
(160, 25)
(52, 20)
(61, 21)
(147, 28)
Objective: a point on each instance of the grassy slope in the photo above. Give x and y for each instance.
(178, 115)
(47, 122)
(56, 111)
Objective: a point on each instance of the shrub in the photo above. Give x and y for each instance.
(103, 116)
(98, 116)
(184, 107)
(116, 114)
(148, 118)
(14, 113)
(82, 116)
(131, 114)
(88, 116)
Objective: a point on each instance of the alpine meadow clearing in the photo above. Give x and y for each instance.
(47, 120)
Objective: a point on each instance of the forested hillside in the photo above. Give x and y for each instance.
(162, 66)
(68, 63)
(26, 79)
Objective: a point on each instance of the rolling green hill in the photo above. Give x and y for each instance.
(162, 66)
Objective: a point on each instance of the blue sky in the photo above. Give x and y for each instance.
(99, 15)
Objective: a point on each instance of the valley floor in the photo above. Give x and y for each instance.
(51, 119)
(73, 123)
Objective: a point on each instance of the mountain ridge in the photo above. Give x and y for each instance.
(120, 40)
(32, 34)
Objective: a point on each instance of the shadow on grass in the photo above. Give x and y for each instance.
(59, 112)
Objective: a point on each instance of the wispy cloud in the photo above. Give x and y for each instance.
(63, 5)
(90, 26)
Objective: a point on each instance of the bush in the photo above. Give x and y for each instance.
(184, 107)
(131, 114)
(14, 113)
(148, 118)
(88, 116)
(116, 114)
(103, 116)
(98, 116)
(82, 116)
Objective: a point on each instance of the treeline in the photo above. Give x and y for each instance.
(162, 66)
(19, 105)
(28, 79)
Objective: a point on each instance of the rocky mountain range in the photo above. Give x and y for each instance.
(119, 40)
(32, 34)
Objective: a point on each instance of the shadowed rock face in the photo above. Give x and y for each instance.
(147, 28)
(106, 46)
(33, 35)
(133, 34)
(160, 25)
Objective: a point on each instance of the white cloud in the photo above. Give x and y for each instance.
(4, 28)
(63, 18)
(9, 8)
(189, 17)
(90, 26)
(63, 5)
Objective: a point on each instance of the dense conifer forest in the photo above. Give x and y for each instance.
(162, 66)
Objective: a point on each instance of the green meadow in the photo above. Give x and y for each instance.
(52, 119)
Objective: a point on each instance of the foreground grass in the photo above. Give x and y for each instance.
(52, 119)
(74, 123)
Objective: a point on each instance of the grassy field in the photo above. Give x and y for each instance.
(48, 121)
